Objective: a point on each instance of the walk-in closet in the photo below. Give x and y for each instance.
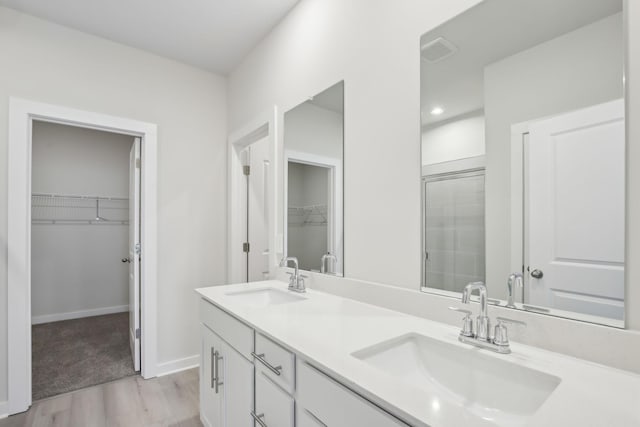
(80, 263)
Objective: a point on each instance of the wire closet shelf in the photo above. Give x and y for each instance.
(307, 215)
(80, 210)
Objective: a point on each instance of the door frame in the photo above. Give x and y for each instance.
(22, 113)
(335, 208)
(264, 125)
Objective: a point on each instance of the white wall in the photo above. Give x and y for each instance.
(576, 70)
(374, 47)
(49, 63)
(454, 140)
(77, 267)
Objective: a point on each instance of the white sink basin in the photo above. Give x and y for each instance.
(265, 296)
(492, 388)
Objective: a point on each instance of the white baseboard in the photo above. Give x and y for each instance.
(35, 320)
(4, 410)
(177, 365)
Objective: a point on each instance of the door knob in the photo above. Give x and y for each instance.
(537, 274)
(126, 260)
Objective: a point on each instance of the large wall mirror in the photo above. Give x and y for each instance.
(523, 156)
(313, 154)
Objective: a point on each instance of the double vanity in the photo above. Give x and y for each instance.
(277, 358)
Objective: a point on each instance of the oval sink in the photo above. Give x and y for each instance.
(264, 297)
(492, 388)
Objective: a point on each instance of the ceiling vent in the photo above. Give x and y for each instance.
(437, 50)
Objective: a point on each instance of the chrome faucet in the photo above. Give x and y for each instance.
(323, 262)
(514, 282)
(483, 324)
(296, 281)
(482, 338)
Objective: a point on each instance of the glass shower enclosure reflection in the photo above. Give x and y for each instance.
(453, 215)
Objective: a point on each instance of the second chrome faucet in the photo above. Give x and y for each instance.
(479, 334)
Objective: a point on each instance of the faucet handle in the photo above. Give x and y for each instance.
(467, 322)
(511, 321)
(461, 310)
(501, 334)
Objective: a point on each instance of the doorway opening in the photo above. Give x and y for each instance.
(85, 273)
(23, 114)
(252, 193)
(84, 269)
(256, 167)
(309, 215)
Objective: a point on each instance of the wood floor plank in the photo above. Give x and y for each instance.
(170, 401)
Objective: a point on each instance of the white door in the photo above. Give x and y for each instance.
(256, 156)
(575, 207)
(134, 252)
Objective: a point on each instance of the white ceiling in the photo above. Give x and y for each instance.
(493, 30)
(211, 34)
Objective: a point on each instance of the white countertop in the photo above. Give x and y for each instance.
(325, 329)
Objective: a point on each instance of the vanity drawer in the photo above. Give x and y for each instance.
(334, 405)
(274, 407)
(304, 418)
(275, 362)
(230, 329)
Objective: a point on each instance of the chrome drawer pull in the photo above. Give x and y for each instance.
(216, 358)
(258, 419)
(213, 368)
(275, 369)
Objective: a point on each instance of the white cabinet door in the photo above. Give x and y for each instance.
(576, 173)
(210, 399)
(236, 385)
(273, 405)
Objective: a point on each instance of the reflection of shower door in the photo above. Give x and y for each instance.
(575, 204)
(454, 229)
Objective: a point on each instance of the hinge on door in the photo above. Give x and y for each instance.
(137, 333)
(138, 249)
(246, 170)
(137, 163)
(245, 247)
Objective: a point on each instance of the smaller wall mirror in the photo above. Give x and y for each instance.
(313, 183)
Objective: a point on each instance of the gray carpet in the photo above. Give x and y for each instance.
(78, 353)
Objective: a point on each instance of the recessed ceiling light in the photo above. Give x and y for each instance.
(437, 111)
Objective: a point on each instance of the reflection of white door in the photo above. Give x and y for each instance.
(575, 206)
(134, 252)
(256, 156)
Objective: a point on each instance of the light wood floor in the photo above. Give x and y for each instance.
(166, 401)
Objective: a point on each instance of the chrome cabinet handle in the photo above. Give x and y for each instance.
(213, 369)
(258, 419)
(125, 260)
(537, 274)
(216, 358)
(275, 369)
